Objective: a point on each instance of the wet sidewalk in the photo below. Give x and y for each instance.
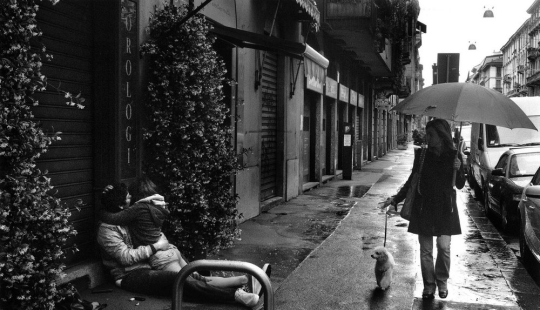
(485, 273)
(319, 245)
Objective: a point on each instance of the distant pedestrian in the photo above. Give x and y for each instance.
(434, 212)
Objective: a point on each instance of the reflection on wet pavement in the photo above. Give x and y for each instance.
(353, 191)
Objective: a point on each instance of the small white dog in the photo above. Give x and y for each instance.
(384, 267)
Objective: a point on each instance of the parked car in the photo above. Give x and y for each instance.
(529, 209)
(489, 142)
(505, 184)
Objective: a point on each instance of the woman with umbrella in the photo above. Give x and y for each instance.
(434, 212)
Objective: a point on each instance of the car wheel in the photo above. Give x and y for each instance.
(524, 250)
(475, 188)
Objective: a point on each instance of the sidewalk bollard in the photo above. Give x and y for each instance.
(204, 264)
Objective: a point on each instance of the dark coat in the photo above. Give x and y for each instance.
(144, 220)
(434, 212)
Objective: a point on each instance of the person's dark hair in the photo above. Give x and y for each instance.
(445, 133)
(141, 188)
(113, 197)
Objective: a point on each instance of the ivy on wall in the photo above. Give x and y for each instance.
(33, 224)
(188, 143)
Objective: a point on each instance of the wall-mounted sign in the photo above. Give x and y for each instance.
(128, 71)
(314, 84)
(382, 103)
(331, 88)
(354, 98)
(347, 140)
(343, 93)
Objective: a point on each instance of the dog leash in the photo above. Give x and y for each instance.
(385, 224)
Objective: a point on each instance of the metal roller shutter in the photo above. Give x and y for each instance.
(269, 127)
(67, 35)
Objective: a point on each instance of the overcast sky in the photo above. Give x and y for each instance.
(451, 25)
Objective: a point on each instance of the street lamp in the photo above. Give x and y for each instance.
(488, 12)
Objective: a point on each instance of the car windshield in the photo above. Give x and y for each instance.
(500, 136)
(524, 164)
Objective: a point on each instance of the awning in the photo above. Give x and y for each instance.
(315, 66)
(421, 26)
(254, 40)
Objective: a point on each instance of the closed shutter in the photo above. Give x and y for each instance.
(357, 139)
(269, 127)
(67, 35)
(306, 141)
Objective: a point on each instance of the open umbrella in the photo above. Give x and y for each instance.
(465, 102)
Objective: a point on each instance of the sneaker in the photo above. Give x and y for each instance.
(267, 268)
(246, 299)
(253, 286)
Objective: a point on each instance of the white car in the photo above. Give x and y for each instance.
(529, 209)
(489, 142)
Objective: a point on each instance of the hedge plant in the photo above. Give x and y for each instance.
(188, 144)
(33, 224)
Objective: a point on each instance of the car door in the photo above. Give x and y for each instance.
(497, 182)
(532, 217)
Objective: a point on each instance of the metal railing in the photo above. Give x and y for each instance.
(204, 264)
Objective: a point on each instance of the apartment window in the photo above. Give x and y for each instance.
(499, 70)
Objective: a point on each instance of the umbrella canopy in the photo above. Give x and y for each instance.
(466, 102)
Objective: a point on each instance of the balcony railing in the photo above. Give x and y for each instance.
(512, 92)
(534, 25)
(534, 79)
(532, 53)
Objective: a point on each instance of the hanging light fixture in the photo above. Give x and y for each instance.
(488, 12)
(472, 46)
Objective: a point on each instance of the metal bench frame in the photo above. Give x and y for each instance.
(238, 266)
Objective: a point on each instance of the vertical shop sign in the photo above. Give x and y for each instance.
(128, 79)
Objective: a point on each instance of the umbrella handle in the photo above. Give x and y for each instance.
(457, 153)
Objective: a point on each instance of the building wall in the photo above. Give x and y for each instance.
(246, 102)
(254, 17)
(515, 62)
